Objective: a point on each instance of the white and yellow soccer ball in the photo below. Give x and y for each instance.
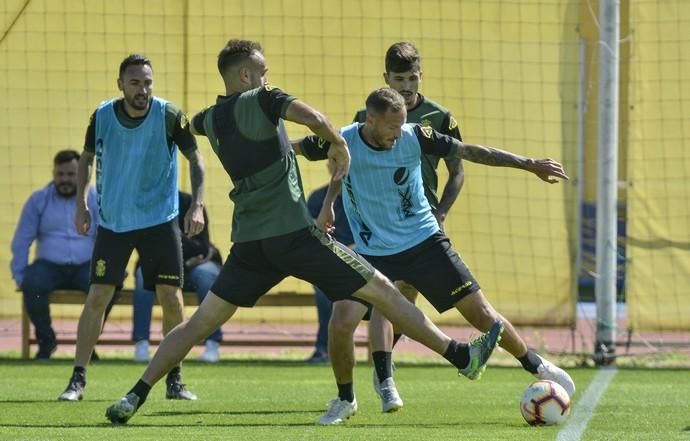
(545, 403)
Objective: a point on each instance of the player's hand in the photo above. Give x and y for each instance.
(548, 170)
(326, 219)
(338, 160)
(82, 220)
(194, 220)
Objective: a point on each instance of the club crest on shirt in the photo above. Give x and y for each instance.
(453, 123)
(183, 120)
(321, 143)
(425, 123)
(427, 131)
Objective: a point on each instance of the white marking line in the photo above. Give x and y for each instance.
(584, 410)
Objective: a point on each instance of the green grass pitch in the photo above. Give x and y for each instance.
(263, 400)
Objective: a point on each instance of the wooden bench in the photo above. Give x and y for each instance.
(281, 299)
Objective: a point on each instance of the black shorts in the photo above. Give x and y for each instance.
(160, 255)
(253, 268)
(433, 268)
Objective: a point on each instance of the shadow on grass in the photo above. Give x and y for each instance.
(416, 425)
(166, 413)
(437, 362)
(144, 426)
(13, 361)
(50, 400)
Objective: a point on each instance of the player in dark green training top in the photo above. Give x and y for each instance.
(404, 74)
(273, 234)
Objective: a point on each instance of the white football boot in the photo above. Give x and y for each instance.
(549, 371)
(390, 398)
(338, 412)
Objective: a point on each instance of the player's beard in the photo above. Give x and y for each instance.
(386, 143)
(139, 101)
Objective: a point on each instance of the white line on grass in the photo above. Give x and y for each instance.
(583, 411)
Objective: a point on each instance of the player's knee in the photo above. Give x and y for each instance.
(380, 287)
(98, 297)
(344, 320)
(407, 290)
(478, 311)
(342, 326)
(168, 296)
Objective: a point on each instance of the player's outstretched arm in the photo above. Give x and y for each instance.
(547, 169)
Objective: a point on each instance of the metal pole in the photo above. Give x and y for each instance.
(580, 173)
(580, 184)
(606, 238)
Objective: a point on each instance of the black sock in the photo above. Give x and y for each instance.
(396, 338)
(382, 364)
(346, 392)
(141, 390)
(458, 354)
(530, 361)
(174, 375)
(80, 372)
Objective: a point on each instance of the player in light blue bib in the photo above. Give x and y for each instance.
(394, 228)
(134, 140)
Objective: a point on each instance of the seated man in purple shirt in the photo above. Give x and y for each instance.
(62, 255)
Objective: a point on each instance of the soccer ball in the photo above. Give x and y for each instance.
(545, 403)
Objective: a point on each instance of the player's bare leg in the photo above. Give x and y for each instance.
(91, 321)
(211, 314)
(88, 331)
(170, 299)
(382, 333)
(383, 338)
(479, 312)
(470, 359)
(341, 330)
(381, 293)
(345, 317)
